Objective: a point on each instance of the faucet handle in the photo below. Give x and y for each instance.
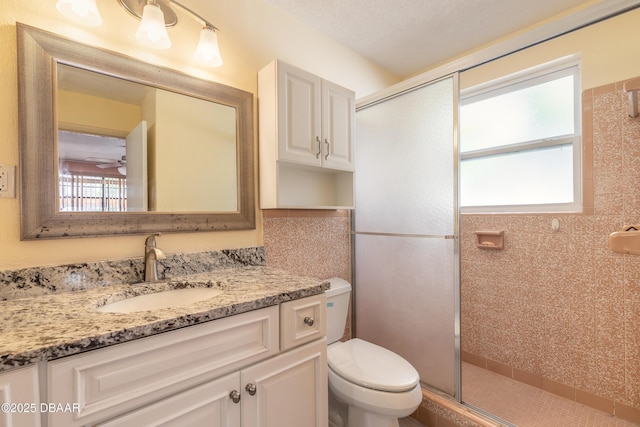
(150, 242)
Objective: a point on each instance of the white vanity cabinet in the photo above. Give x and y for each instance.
(20, 398)
(279, 392)
(230, 372)
(307, 137)
(290, 389)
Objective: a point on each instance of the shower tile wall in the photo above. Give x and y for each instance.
(560, 310)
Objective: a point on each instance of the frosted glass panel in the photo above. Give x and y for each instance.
(405, 174)
(406, 203)
(405, 302)
(537, 112)
(534, 176)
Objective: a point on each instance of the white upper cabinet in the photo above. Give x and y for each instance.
(338, 126)
(315, 119)
(307, 136)
(299, 124)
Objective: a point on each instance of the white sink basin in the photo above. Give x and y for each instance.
(158, 300)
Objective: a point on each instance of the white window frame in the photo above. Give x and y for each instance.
(526, 78)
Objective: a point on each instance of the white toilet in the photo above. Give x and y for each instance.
(369, 386)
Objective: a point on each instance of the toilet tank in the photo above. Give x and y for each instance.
(337, 308)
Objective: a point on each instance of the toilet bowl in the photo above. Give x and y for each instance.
(369, 386)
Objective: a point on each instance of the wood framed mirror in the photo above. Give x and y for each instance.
(213, 187)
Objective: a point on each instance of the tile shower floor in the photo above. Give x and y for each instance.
(527, 406)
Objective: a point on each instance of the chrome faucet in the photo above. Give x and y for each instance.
(151, 255)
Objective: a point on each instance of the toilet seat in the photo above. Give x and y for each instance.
(371, 366)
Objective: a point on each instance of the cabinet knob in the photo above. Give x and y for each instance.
(319, 147)
(235, 396)
(251, 389)
(309, 321)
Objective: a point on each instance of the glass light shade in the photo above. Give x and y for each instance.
(208, 52)
(152, 31)
(81, 11)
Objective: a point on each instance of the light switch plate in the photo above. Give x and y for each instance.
(7, 181)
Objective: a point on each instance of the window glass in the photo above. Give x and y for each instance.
(542, 111)
(527, 177)
(520, 146)
(80, 193)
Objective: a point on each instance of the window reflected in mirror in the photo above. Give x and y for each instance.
(92, 172)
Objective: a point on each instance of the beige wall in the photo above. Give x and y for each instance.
(84, 112)
(605, 50)
(195, 166)
(252, 34)
(559, 310)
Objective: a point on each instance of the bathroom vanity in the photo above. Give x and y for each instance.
(254, 355)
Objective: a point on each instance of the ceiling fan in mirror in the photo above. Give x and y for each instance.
(102, 163)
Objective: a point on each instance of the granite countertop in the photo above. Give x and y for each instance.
(61, 324)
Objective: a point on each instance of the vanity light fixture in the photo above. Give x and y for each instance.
(155, 17)
(152, 31)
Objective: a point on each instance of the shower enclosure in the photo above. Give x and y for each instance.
(406, 246)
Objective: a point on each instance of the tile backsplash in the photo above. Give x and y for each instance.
(309, 242)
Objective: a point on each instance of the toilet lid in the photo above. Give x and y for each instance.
(372, 366)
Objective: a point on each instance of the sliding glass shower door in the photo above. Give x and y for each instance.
(406, 229)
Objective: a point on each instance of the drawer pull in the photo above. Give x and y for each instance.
(251, 389)
(235, 396)
(309, 321)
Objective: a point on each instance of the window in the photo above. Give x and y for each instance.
(80, 193)
(91, 172)
(520, 143)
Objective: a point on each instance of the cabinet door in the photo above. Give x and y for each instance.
(338, 126)
(19, 390)
(290, 389)
(299, 116)
(209, 405)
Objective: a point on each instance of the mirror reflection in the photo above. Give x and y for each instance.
(128, 147)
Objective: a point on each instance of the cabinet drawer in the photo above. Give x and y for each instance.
(302, 320)
(117, 379)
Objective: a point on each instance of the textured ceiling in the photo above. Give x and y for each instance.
(409, 36)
